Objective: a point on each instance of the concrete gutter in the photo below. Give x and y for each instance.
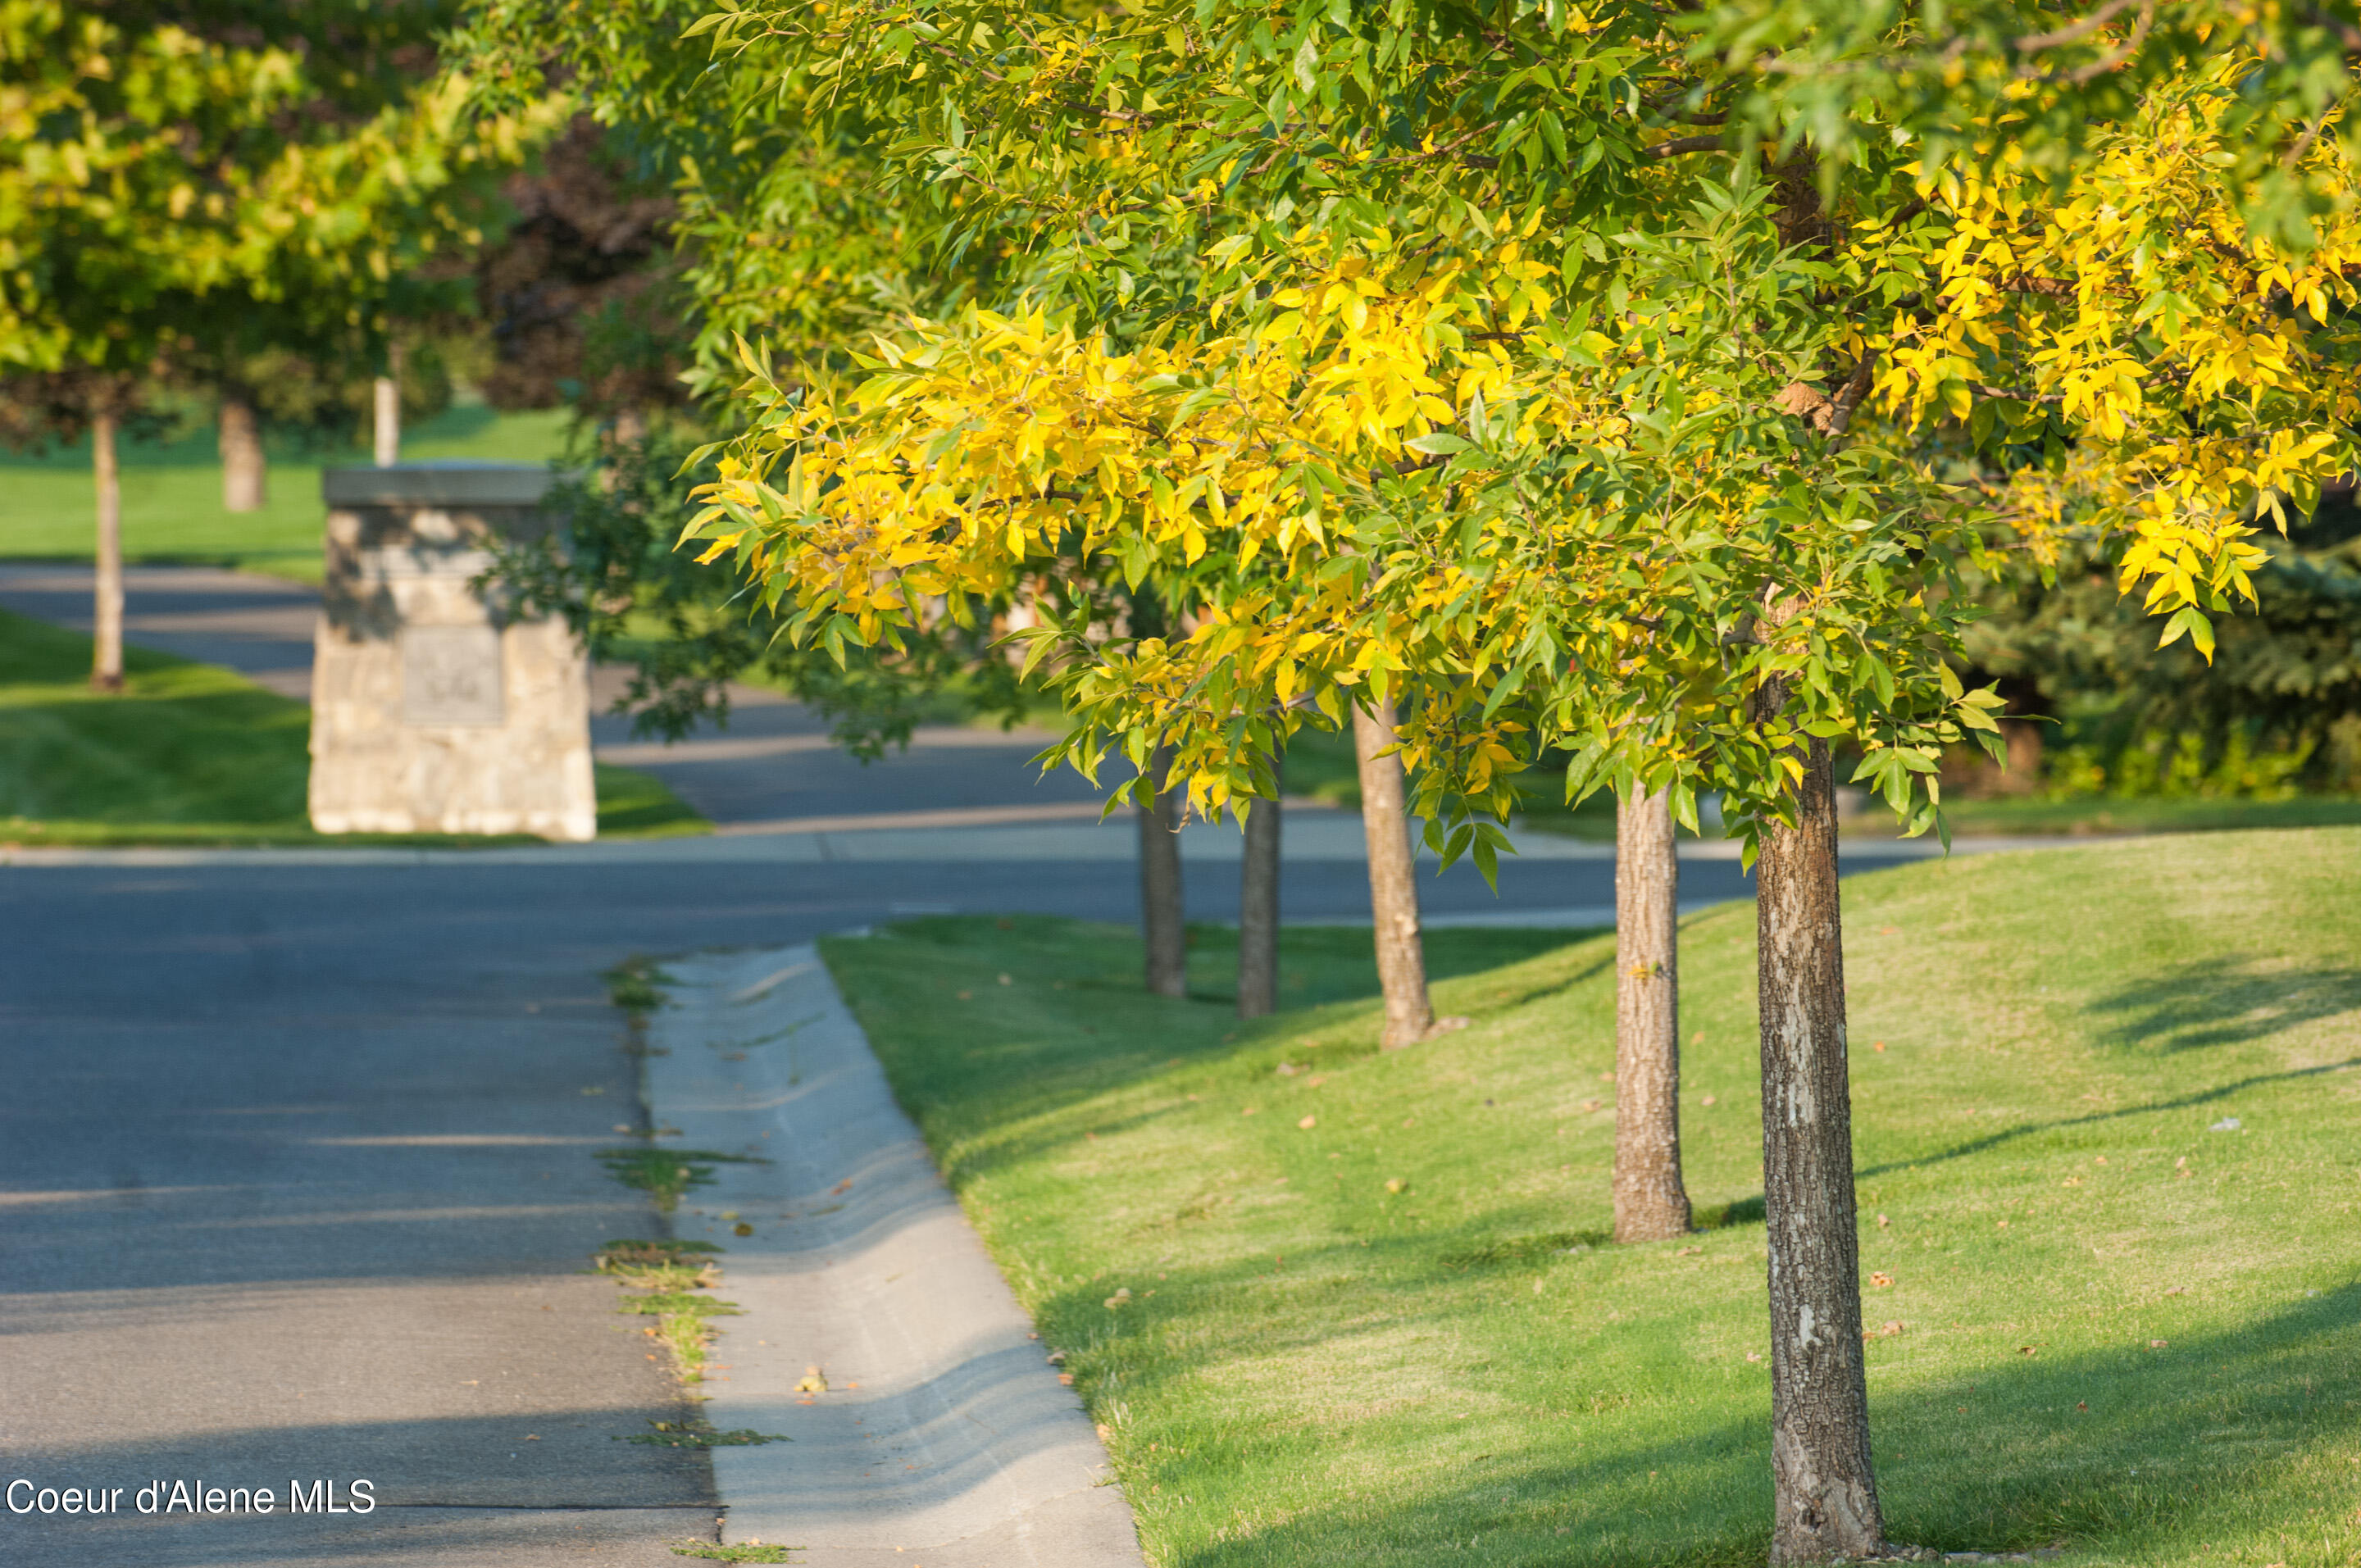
(944, 1439)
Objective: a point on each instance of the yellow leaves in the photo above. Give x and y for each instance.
(2184, 357)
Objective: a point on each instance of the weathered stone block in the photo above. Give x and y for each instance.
(435, 708)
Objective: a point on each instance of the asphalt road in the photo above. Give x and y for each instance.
(295, 1157)
(296, 1182)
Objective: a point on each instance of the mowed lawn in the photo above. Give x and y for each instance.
(2117, 1330)
(172, 492)
(191, 754)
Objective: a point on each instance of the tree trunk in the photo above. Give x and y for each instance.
(389, 422)
(107, 615)
(1258, 907)
(1163, 922)
(1650, 1204)
(1393, 886)
(1824, 1489)
(242, 468)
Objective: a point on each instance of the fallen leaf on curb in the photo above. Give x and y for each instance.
(840, 1188)
(741, 1228)
(812, 1381)
(1105, 1432)
(1067, 1378)
(1881, 1279)
(1308, 1123)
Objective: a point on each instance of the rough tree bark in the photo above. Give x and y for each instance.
(1393, 886)
(1163, 926)
(1824, 1489)
(106, 610)
(388, 428)
(243, 483)
(1650, 1204)
(1258, 908)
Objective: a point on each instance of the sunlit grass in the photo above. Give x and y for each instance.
(2118, 1329)
(172, 492)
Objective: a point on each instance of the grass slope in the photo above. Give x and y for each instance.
(2120, 1330)
(192, 754)
(171, 493)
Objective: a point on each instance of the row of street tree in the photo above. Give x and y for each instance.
(1663, 392)
(1636, 385)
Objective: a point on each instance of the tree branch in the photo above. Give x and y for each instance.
(1679, 145)
(2073, 32)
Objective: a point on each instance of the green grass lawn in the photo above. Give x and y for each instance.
(171, 493)
(193, 754)
(2119, 1330)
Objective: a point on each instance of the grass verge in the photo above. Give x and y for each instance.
(195, 754)
(1334, 1306)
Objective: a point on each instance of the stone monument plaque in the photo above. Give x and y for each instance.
(435, 707)
(451, 674)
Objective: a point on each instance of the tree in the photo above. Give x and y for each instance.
(583, 293)
(1259, 903)
(1576, 434)
(2278, 706)
(1651, 1202)
(1393, 878)
(780, 225)
(162, 167)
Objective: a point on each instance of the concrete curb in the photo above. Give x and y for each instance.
(945, 1439)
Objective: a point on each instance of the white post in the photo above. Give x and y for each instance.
(389, 422)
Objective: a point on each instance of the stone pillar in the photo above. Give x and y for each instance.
(433, 709)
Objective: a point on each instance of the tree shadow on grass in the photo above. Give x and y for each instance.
(2032, 1129)
(2224, 1001)
(2134, 1448)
